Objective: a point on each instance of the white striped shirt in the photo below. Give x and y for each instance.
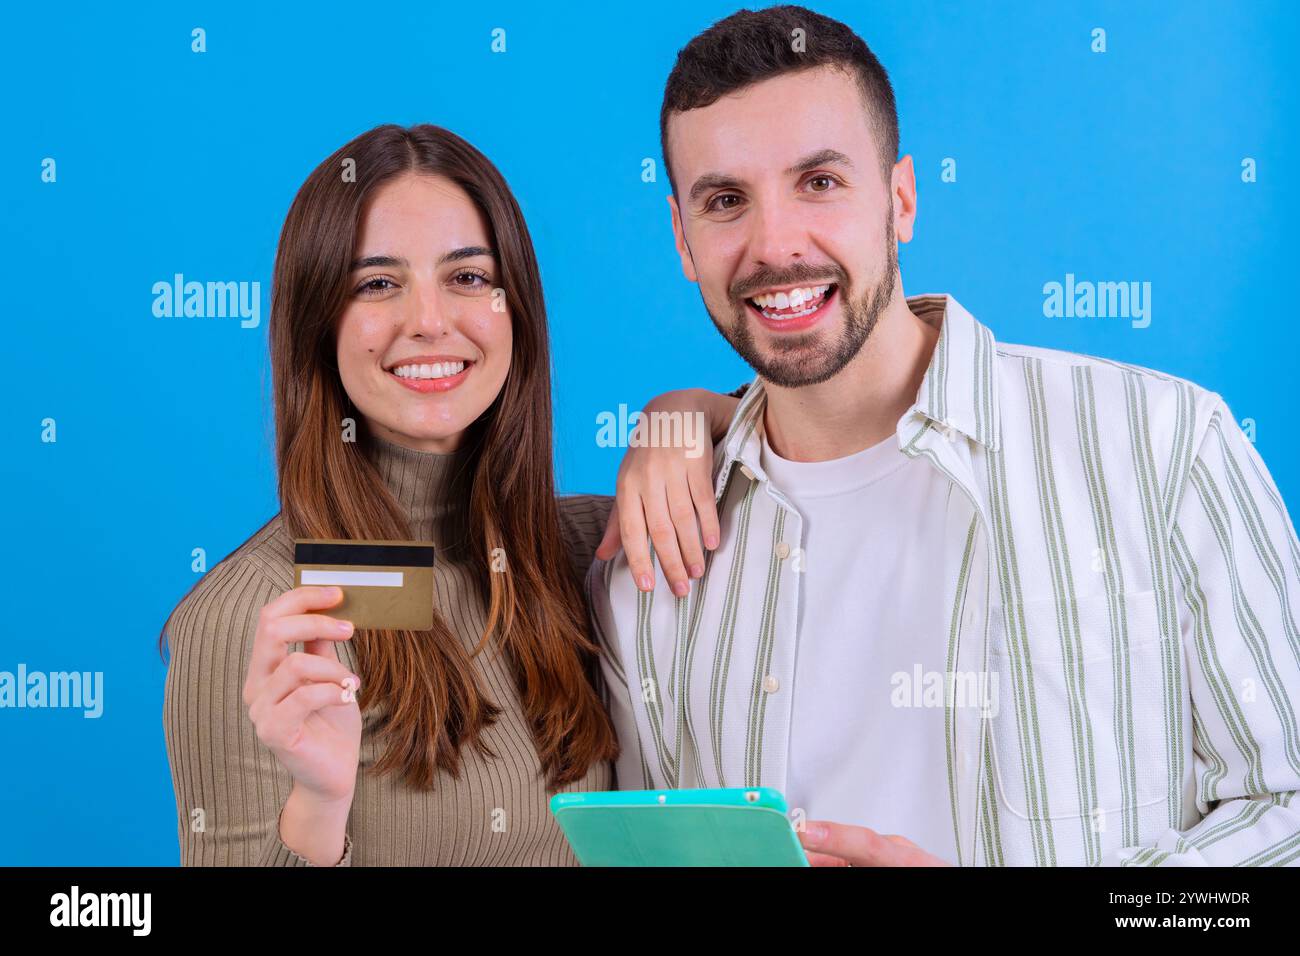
(1119, 567)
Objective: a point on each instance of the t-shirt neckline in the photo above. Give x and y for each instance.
(837, 476)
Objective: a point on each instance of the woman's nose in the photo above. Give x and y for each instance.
(427, 315)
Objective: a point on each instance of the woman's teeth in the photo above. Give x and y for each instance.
(436, 370)
(792, 305)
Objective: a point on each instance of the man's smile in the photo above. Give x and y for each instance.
(792, 308)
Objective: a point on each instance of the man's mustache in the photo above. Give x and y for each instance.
(794, 275)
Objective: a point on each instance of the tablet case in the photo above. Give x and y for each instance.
(718, 827)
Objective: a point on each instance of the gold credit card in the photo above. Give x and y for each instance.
(386, 584)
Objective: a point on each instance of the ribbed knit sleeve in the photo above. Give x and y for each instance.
(229, 787)
(582, 525)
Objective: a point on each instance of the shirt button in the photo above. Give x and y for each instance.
(783, 551)
(771, 684)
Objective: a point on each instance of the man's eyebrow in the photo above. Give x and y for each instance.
(711, 181)
(455, 255)
(823, 157)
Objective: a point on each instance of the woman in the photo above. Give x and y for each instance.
(412, 401)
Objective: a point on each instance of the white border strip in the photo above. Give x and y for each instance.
(369, 579)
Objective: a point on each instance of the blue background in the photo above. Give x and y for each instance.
(1117, 166)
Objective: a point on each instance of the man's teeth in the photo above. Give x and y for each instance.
(806, 299)
(436, 370)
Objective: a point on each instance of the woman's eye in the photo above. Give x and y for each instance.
(376, 285)
(470, 280)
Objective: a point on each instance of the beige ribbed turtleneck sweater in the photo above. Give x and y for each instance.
(229, 786)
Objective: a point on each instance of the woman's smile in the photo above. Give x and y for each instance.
(430, 373)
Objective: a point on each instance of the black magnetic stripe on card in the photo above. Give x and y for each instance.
(392, 555)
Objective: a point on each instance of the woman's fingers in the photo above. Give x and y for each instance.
(280, 727)
(612, 538)
(298, 670)
(288, 620)
(675, 514)
(311, 630)
(663, 533)
(302, 599)
(631, 523)
(666, 496)
(681, 509)
(700, 484)
(302, 628)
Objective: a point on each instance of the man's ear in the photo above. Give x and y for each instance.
(903, 190)
(688, 264)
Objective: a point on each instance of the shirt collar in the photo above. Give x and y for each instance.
(959, 392)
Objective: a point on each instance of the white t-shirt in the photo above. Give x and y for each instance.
(864, 747)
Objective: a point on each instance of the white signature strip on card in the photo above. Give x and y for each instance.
(370, 579)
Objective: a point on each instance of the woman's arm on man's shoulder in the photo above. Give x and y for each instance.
(665, 488)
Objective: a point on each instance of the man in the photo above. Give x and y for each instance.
(972, 603)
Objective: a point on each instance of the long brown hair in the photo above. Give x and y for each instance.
(330, 488)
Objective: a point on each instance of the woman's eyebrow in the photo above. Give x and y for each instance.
(455, 255)
(369, 261)
(466, 252)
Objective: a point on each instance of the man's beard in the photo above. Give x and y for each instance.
(800, 360)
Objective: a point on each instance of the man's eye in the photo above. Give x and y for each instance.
(821, 184)
(723, 203)
(376, 285)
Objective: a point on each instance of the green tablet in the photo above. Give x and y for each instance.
(729, 827)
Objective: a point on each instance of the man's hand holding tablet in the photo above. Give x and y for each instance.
(718, 827)
(839, 844)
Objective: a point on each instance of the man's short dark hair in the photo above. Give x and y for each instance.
(754, 45)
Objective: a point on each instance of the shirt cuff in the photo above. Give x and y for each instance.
(275, 853)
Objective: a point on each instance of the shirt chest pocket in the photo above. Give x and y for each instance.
(1085, 693)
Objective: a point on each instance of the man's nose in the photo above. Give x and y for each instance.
(778, 238)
